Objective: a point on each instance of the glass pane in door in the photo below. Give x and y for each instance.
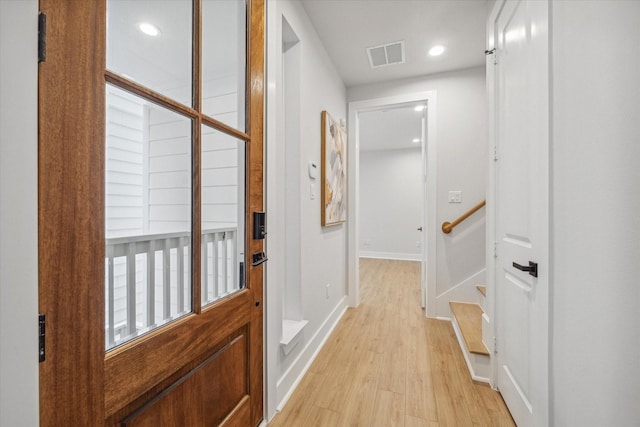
(224, 63)
(148, 216)
(223, 201)
(150, 42)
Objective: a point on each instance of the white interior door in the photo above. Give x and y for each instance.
(522, 210)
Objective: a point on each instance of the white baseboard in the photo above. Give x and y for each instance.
(391, 255)
(289, 381)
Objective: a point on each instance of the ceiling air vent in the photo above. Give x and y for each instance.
(386, 54)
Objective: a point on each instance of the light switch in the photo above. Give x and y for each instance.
(455, 196)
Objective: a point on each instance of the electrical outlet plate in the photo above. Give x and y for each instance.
(455, 196)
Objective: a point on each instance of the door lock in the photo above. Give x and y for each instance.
(259, 225)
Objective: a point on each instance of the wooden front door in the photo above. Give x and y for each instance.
(150, 169)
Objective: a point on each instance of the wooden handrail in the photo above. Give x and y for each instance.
(448, 226)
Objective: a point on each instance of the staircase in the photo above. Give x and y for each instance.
(468, 319)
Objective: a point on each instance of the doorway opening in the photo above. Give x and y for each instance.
(359, 114)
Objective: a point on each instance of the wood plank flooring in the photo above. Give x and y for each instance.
(387, 365)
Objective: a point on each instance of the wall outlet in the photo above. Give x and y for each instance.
(455, 196)
(366, 242)
(328, 288)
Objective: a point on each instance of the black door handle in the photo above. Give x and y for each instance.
(419, 228)
(532, 268)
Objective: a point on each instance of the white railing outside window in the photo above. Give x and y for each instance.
(220, 268)
(147, 279)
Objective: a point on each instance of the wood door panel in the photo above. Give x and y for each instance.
(204, 396)
(137, 368)
(70, 213)
(203, 369)
(240, 416)
(255, 198)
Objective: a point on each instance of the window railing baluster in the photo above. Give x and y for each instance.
(111, 334)
(166, 280)
(205, 267)
(225, 279)
(151, 283)
(216, 282)
(235, 283)
(180, 284)
(131, 290)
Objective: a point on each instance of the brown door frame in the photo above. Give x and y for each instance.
(71, 107)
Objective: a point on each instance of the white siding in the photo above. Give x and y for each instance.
(124, 164)
(222, 101)
(222, 176)
(169, 172)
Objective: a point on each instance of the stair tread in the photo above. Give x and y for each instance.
(482, 289)
(469, 319)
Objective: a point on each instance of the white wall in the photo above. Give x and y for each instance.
(462, 144)
(391, 203)
(323, 253)
(18, 214)
(595, 245)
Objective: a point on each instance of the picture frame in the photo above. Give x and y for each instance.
(333, 171)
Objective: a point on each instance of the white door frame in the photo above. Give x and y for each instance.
(353, 229)
(490, 334)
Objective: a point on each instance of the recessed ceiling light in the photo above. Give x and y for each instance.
(436, 50)
(419, 108)
(416, 140)
(149, 29)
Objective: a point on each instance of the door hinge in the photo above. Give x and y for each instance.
(492, 52)
(42, 37)
(495, 345)
(41, 337)
(495, 249)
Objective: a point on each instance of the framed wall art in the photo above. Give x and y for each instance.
(333, 171)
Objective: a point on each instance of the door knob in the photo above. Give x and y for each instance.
(532, 268)
(419, 228)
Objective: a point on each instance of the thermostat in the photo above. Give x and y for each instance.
(313, 170)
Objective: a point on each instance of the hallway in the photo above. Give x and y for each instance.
(387, 365)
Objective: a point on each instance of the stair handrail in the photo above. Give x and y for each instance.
(448, 226)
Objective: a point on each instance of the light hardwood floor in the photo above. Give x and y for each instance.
(385, 364)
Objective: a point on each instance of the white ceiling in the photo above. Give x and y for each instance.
(391, 128)
(348, 27)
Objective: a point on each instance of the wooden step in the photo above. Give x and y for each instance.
(482, 289)
(469, 319)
